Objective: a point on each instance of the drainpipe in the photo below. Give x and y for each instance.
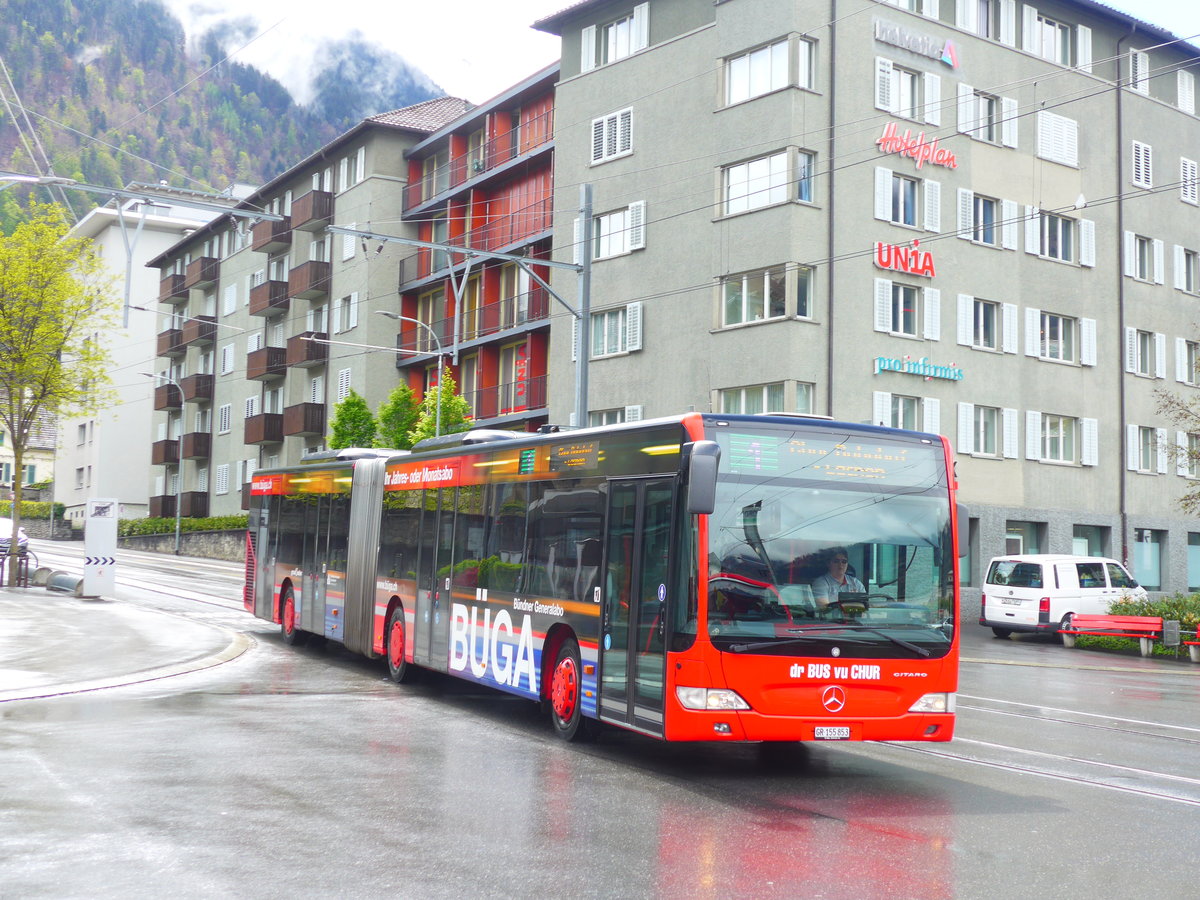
(829, 209)
(1121, 397)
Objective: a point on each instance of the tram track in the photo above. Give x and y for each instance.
(1164, 731)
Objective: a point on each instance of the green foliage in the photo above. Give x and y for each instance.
(352, 425)
(33, 509)
(455, 411)
(129, 527)
(397, 418)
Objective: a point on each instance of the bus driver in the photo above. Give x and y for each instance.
(826, 587)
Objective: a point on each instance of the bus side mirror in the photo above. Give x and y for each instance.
(964, 531)
(703, 459)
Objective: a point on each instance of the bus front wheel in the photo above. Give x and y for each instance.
(292, 635)
(398, 668)
(566, 694)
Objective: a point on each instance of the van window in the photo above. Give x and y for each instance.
(1119, 578)
(1091, 575)
(1015, 574)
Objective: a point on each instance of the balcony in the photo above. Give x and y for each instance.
(304, 353)
(313, 211)
(197, 388)
(310, 280)
(166, 396)
(265, 428)
(202, 273)
(197, 445)
(304, 418)
(171, 289)
(170, 343)
(525, 396)
(266, 364)
(194, 504)
(199, 330)
(162, 507)
(269, 298)
(164, 453)
(267, 237)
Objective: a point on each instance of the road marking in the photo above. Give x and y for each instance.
(1072, 712)
(1035, 665)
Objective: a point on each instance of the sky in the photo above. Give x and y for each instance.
(472, 49)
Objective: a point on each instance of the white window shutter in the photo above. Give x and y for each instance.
(1033, 238)
(1087, 342)
(883, 84)
(316, 389)
(1089, 444)
(883, 305)
(1008, 418)
(966, 214)
(933, 205)
(625, 131)
(578, 241)
(1083, 47)
(1008, 326)
(1033, 331)
(633, 326)
(931, 415)
(881, 408)
(353, 310)
(1159, 264)
(641, 26)
(1132, 451)
(1033, 434)
(633, 413)
(587, 49)
(360, 167)
(966, 427)
(1131, 353)
(1008, 125)
(1160, 356)
(933, 98)
(966, 320)
(598, 131)
(1087, 242)
(883, 193)
(1182, 457)
(967, 109)
(1008, 22)
(347, 246)
(1029, 29)
(1139, 71)
(336, 318)
(1130, 244)
(1185, 86)
(964, 14)
(933, 9)
(1180, 269)
(637, 225)
(1163, 451)
(343, 387)
(574, 339)
(1010, 215)
(933, 314)
(344, 174)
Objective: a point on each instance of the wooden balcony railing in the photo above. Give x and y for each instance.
(163, 453)
(304, 418)
(268, 237)
(313, 211)
(305, 353)
(269, 298)
(172, 289)
(310, 280)
(203, 272)
(196, 445)
(266, 364)
(197, 388)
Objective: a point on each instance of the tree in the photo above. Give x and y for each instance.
(397, 417)
(455, 411)
(54, 300)
(353, 425)
(1185, 413)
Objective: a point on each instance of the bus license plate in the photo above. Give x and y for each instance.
(832, 733)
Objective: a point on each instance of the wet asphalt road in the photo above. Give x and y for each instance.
(230, 765)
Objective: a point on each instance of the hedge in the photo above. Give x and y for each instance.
(33, 509)
(129, 527)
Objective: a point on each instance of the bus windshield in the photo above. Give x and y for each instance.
(825, 540)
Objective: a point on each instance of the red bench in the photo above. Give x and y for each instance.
(1142, 628)
(1194, 647)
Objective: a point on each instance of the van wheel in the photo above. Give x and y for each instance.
(1001, 632)
(1064, 625)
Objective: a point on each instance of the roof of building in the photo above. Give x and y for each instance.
(428, 116)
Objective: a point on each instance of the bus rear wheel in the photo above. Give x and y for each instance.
(566, 694)
(292, 635)
(398, 668)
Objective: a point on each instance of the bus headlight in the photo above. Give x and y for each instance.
(934, 703)
(709, 698)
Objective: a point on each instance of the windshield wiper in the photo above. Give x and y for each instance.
(762, 645)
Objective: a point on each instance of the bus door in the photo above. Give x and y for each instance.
(432, 647)
(632, 634)
(316, 541)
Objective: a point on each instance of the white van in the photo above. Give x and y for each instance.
(1041, 592)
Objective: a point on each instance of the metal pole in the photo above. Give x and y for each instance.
(437, 415)
(583, 351)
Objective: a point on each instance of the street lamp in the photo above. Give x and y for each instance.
(178, 463)
(437, 422)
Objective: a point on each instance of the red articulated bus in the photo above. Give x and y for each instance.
(703, 577)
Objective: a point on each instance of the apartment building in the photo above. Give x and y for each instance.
(267, 325)
(977, 218)
(484, 182)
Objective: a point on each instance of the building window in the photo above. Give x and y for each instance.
(227, 359)
(1050, 39)
(905, 412)
(431, 309)
(619, 232)
(1139, 71)
(760, 398)
(1187, 357)
(985, 324)
(903, 310)
(1145, 353)
(1058, 438)
(985, 427)
(1143, 344)
(984, 220)
(615, 40)
(898, 91)
(1146, 449)
(599, 417)
(1058, 138)
(900, 199)
(988, 118)
(1144, 258)
(1057, 237)
(756, 183)
(1057, 337)
(804, 288)
(757, 72)
(806, 169)
(78, 478)
(345, 313)
(1143, 165)
(754, 296)
(617, 330)
(1189, 450)
(435, 175)
(612, 136)
(904, 200)
(1187, 270)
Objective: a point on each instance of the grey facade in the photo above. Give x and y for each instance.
(978, 219)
